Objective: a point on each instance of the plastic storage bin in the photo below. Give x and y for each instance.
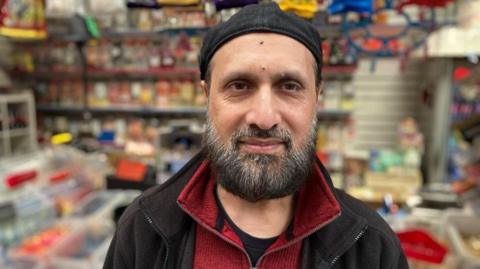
(102, 204)
(66, 195)
(24, 213)
(23, 264)
(84, 248)
(40, 246)
(98, 257)
(457, 228)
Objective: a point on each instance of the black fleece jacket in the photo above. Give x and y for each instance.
(154, 232)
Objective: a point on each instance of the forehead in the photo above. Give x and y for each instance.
(263, 48)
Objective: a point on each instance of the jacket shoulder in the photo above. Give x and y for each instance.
(379, 241)
(351, 205)
(149, 222)
(134, 240)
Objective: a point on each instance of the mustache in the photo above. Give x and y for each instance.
(256, 132)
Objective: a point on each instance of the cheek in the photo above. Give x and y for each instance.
(225, 120)
(300, 122)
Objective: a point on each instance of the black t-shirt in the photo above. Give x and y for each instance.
(254, 246)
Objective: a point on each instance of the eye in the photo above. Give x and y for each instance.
(291, 86)
(238, 86)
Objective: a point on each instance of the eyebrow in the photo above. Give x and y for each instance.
(249, 76)
(238, 75)
(291, 75)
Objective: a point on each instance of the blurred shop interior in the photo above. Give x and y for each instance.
(100, 100)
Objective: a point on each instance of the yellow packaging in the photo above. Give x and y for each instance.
(303, 8)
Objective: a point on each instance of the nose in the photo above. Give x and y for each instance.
(263, 111)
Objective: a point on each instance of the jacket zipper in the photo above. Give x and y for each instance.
(164, 238)
(359, 235)
(299, 239)
(222, 237)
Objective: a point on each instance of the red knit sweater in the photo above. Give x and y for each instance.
(316, 207)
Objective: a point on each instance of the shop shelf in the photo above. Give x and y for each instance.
(15, 132)
(333, 114)
(150, 111)
(153, 111)
(138, 111)
(93, 73)
(62, 73)
(338, 71)
(329, 30)
(55, 109)
(54, 73)
(153, 34)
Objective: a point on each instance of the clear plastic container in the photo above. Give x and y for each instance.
(98, 258)
(458, 228)
(23, 214)
(85, 248)
(40, 246)
(67, 194)
(102, 204)
(23, 264)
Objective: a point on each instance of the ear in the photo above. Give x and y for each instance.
(204, 87)
(319, 89)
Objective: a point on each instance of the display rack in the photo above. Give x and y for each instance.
(329, 72)
(17, 124)
(80, 91)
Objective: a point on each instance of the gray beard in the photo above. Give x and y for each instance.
(254, 177)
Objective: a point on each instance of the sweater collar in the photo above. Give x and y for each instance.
(316, 205)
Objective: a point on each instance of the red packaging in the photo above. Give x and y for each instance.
(419, 245)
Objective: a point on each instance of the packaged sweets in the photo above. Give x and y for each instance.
(23, 19)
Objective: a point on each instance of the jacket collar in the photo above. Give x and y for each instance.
(316, 205)
(160, 203)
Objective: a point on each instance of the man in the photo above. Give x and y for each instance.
(256, 196)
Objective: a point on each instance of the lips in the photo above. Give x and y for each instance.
(261, 145)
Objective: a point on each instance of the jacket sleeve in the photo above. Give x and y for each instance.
(402, 262)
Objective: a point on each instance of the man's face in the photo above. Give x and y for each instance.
(261, 122)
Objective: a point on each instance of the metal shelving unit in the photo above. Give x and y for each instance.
(329, 72)
(153, 111)
(14, 139)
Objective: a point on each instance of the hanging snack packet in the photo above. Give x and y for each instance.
(224, 4)
(303, 8)
(103, 7)
(64, 8)
(22, 19)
